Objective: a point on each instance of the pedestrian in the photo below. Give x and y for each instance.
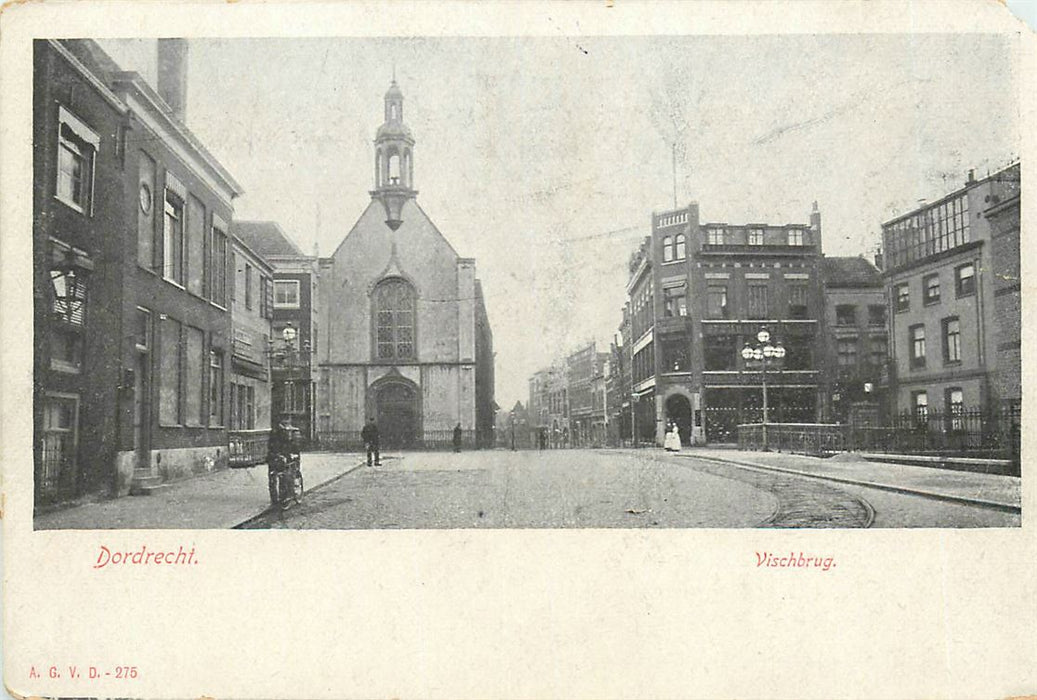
(370, 437)
(457, 438)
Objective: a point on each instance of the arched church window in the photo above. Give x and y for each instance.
(394, 311)
(392, 111)
(394, 169)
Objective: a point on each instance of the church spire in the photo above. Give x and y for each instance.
(394, 161)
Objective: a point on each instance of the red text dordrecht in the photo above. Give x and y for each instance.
(144, 556)
(794, 561)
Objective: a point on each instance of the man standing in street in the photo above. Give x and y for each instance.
(370, 437)
(457, 438)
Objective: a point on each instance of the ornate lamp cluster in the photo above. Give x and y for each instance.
(762, 355)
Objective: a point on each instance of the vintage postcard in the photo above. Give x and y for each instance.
(461, 350)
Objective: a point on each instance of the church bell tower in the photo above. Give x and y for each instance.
(393, 159)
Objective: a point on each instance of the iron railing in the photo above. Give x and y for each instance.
(247, 448)
(974, 433)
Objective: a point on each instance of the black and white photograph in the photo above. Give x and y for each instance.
(527, 349)
(535, 282)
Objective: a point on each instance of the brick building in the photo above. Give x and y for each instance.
(855, 339)
(697, 293)
(1003, 217)
(404, 334)
(295, 292)
(132, 325)
(944, 297)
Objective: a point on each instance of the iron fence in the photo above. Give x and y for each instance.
(247, 448)
(977, 433)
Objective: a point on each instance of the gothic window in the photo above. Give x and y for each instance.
(394, 310)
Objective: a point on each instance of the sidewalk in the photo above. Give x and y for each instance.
(990, 490)
(218, 500)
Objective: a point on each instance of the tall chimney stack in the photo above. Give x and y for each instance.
(172, 75)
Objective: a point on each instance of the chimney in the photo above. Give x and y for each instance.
(878, 259)
(972, 177)
(815, 225)
(172, 76)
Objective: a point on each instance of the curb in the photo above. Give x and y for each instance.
(983, 503)
(322, 484)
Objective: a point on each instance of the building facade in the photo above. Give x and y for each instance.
(403, 326)
(586, 390)
(131, 262)
(943, 304)
(294, 307)
(548, 407)
(1003, 217)
(248, 400)
(698, 292)
(856, 342)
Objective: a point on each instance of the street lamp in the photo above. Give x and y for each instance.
(762, 355)
(287, 358)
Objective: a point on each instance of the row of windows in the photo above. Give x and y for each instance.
(718, 235)
(964, 285)
(758, 302)
(644, 363)
(846, 315)
(193, 252)
(182, 364)
(675, 247)
(928, 232)
(950, 334)
(847, 351)
(953, 401)
(245, 288)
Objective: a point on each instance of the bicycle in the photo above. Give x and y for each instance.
(285, 480)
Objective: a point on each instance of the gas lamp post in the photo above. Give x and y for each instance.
(761, 355)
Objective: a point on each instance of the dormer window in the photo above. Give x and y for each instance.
(756, 236)
(795, 236)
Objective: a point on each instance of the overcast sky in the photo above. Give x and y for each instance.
(543, 158)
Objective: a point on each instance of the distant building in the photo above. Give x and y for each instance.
(132, 331)
(586, 390)
(945, 298)
(294, 307)
(404, 334)
(697, 293)
(548, 406)
(855, 338)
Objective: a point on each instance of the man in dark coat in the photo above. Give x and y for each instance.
(457, 438)
(370, 437)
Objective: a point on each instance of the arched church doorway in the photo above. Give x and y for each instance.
(398, 414)
(678, 410)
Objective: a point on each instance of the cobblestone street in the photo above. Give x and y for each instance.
(606, 489)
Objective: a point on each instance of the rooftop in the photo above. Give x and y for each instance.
(850, 272)
(266, 238)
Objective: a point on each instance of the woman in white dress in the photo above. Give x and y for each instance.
(672, 441)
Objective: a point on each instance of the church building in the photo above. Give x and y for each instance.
(404, 334)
